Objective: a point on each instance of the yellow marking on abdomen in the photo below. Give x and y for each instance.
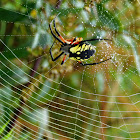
(75, 49)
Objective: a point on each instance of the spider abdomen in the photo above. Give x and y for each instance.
(81, 52)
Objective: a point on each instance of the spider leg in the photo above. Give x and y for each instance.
(54, 59)
(55, 35)
(93, 63)
(77, 41)
(62, 39)
(71, 40)
(63, 61)
(94, 39)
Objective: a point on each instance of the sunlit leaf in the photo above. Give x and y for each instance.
(8, 136)
(3, 127)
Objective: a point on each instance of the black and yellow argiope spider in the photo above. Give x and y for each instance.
(77, 48)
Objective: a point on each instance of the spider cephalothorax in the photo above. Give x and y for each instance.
(77, 48)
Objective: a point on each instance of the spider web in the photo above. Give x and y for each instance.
(41, 99)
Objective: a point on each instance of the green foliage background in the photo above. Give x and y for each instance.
(30, 81)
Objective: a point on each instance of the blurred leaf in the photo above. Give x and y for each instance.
(2, 28)
(66, 11)
(41, 39)
(9, 77)
(85, 16)
(104, 1)
(3, 75)
(12, 16)
(75, 80)
(43, 120)
(39, 116)
(8, 136)
(23, 53)
(6, 94)
(44, 40)
(83, 33)
(35, 41)
(48, 9)
(2, 132)
(20, 53)
(9, 102)
(101, 81)
(44, 95)
(107, 18)
(25, 136)
(30, 4)
(3, 127)
(133, 45)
